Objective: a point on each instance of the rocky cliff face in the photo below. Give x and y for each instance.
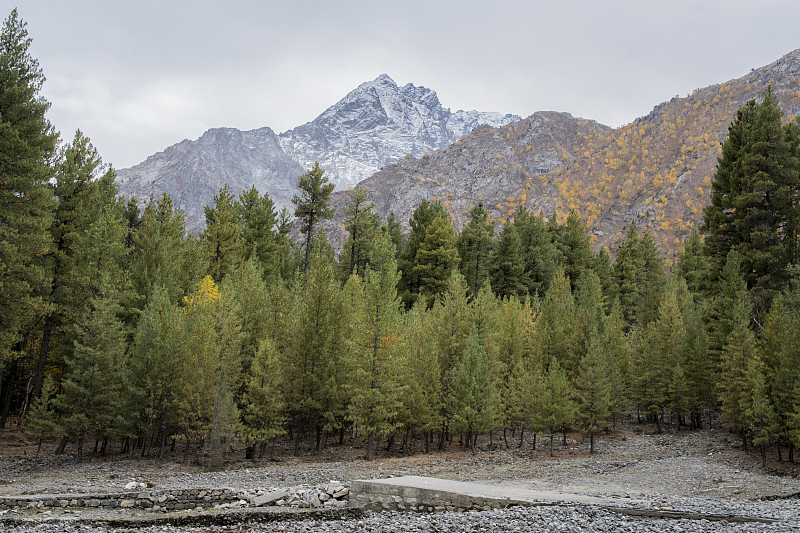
(375, 125)
(656, 171)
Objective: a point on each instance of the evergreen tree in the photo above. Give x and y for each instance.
(375, 348)
(753, 198)
(152, 366)
(626, 272)
(573, 243)
(260, 236)
(475, 245)
(311, 365)
(158, 250)
(421, 219)
(692, 264)
(721, 314)
(554, 408)
(594, 388)
(361, 223)
(222, 238)
(539, 253)
(263, 406)
(92, 389)
(436, 258)
(757, 411)
(476, 406)
(27, 144)
(312, 205)
(732, 385)
(507, 265)
(77, 192)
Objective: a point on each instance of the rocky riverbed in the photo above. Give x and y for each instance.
(691, 472)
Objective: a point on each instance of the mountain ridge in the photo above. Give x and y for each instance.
(373, 125)
(656, 170)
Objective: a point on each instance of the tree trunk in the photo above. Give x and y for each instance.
(61, 446)
(370, 444)
(186, 452)
(522, 437)
(552, 436)
(591, 442)
(763, 455)
(44, 350)
(505, 436)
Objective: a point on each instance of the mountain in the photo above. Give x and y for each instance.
(656, 170)
(374, 125)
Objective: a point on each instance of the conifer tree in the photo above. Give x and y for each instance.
(626, 272)
(222, 238)
(260, 235)
(757, 410)
(436, 258)
(420, 371)
(475, 398)
(375, 348)
(539, 253)
(157, 255)
(312, 206)
(92, 389)
(424, 214)
(152, 367)
(574, 246)
(27, 144)
(312, 369)
(361, 224)
(475, 244)
(77, 192)
(732, 385)
(263, 405)
(507, 265)
(554, 408)
(594, 388)
(753, 199)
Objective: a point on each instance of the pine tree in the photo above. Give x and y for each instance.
(375, 348)
(475, 244)
(92, 388)
(753, 196)
(436, 258)
(77, 192)
(311, 363)
(263, 406)
(259, 236)
(27, 144)
(594, 388)
(312, 205)
(476, 406)
(626, 272)
(757, 411)
(732, 385)
(575, 249)
(507, 265)
(361, 224)
(158, 252)
(538, 250)
(554, 408)
(222, 238)
(152, 367)
(421, 219)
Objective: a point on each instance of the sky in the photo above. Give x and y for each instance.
(139, 76)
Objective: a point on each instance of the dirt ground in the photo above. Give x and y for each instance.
(634, 461)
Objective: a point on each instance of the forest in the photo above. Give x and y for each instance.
(121, 333)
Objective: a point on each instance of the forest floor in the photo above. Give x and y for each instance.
(668, 470)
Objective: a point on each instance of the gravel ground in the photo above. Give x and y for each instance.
(703, 471)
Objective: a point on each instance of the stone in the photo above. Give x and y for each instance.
(269, 498)
(341, 493)
(127, 504)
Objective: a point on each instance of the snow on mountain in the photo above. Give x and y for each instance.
(376, 124)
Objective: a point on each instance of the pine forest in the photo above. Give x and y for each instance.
(122, 334)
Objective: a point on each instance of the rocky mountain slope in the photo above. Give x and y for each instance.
(656, 170)
(374, 125)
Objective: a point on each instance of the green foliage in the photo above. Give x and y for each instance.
(476, 406)
(312, 205)
(27, 144)
(507, 265)
(475, 244)
(436, 258)
(222, 238)
(539, 253)
(753, 200)
(361, 223)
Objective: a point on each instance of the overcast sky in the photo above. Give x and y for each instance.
(139, 76)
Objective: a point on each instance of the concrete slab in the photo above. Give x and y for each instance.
(429, 494)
